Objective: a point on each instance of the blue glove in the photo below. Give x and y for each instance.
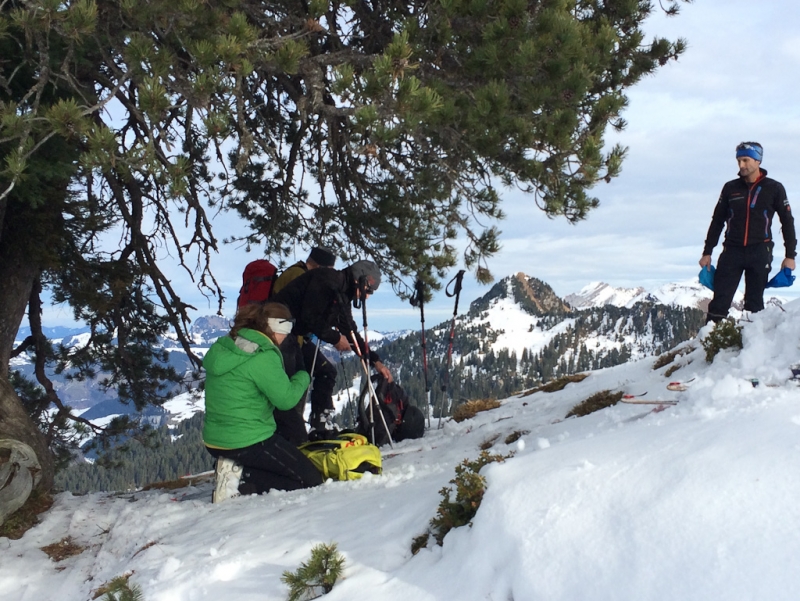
(706, 276)
(782, 279)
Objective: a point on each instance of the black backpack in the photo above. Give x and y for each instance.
(403, 420)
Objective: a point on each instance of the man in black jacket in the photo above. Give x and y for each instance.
(747, 205)
(319, 301)
(318, 257)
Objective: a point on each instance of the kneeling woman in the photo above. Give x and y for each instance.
(245, 383)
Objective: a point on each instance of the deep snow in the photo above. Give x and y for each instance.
(699, 501)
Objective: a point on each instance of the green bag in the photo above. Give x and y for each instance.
(345, 457)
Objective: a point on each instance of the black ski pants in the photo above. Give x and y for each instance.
(755, 261)
(290, 422)
(324, 377)
(272, 464)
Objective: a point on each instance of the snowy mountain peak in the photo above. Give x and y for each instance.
(207, 329)
(597, 294)
(688, 293)
(534, 295)
(540, 294)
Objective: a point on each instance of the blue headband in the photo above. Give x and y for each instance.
(749, 149)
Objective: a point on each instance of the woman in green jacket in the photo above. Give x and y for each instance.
(245, 383)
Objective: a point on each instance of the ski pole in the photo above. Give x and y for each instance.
(418, 299)
(372, 394)
(313, 366)
(349, 397)
(456, 284)
(364, 288)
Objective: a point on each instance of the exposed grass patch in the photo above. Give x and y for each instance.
(180, 482)
(672, 370)
(665, 359)
(596, 402)
(488, 443)
(119, 589)
(668, 357)
(557, 384)
(471, 408)
(515, 436)
(419, 542)
(27, 516)
(152, 543)
(63, 549)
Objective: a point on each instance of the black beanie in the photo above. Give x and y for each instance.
(322, 256)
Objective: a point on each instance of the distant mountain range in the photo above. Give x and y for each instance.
(517, 334)
(690, 294)
(521, 333)
(598, 294)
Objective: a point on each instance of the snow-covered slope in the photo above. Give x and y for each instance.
(695, 502)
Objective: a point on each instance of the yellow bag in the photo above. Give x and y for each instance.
(345, 457)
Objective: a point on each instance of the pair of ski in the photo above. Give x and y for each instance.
(674, 386)
(635, 399)
(661, 404)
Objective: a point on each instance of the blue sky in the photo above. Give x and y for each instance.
(738, 80)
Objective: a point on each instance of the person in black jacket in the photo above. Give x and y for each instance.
(319, 300)
(290, 422)
(747, 205)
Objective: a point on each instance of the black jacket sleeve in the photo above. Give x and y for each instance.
(347, 325)
(311, 298)
(784, 212)
(721, 212)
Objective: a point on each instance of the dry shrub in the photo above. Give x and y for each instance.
(515, 436)
(419, 542)
(665, 359)
(488, 443)
(672, 370)
(63, 549)
(119, 589)
(670, 356)
(471, 408)
(557, 384)
(27, 516)
(181, 482)
(596, 402)
(152, 543)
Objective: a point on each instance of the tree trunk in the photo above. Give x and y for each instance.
(17, 274)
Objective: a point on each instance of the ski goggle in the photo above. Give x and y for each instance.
(279, 325)
(366, 284)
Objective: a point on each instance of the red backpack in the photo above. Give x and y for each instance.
(257, 281)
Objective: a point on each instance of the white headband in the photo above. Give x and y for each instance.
(280, 326)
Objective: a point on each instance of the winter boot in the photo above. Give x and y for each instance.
(228, 474)
(322, 425)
